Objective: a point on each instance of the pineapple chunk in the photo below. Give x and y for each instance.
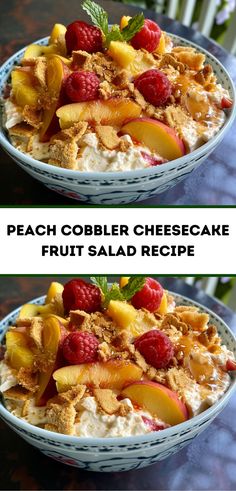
(162, 310)
(54, 288)
(124, 21)
(122, 313)
(123, 281)
(23, 90)
(161, 46)
(57, 30)
(122, 53)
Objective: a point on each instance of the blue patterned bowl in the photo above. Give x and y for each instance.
(125, 453)
(118, 187)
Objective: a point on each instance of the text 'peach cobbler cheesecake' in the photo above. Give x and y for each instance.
(112, 361)
(101, 98)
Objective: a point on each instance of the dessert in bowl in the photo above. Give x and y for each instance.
(113, 377)
(114, 116)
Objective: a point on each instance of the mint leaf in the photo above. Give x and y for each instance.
(135, 25)
(113, 294)
(98, 15)
(134, 284)
(100, 19)
(114, 35)
(101, 282)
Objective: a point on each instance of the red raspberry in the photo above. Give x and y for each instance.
(226, 103)
(153, 425)
(154, 86)
(148, 37)
(230, 365)
(156, 348)
(78, 294)
(80, 35)
(149, 297)
(80, 347)
(82, 86)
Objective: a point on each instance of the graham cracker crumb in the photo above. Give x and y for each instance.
(104, 351)
(107, 136)
(65, 153)
(62, 417)
(32, 116)
(78, 317)
(35, 331)
(107, 400)
(27, 378)
(197, 321)
(40, 69)
(17, 393)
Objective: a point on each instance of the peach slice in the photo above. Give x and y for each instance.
(35, 50)
(57, 71)
(51, 337)
(15, 339)
(110, 374)
(23, 88)
(32, 310)
(53, 290)
(111, 112)
(122, 313)
(160, 401)
(155, 135)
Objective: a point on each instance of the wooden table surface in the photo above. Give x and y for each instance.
(25, 21)
(208, 463)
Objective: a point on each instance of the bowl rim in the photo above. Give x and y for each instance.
(207, 414)
(146, 172)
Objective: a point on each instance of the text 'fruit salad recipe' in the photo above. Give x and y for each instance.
(101, 98)
(100, 360)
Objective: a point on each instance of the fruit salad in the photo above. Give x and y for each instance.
(101, 360)
(112, 98)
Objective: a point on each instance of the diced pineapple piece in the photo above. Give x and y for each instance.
(20, 356)
(162, 310)
(111, 112)
(141, 64)
(54, 288)
(122, 53)
(162, 45)
(57, 30)
(124, 21)
(122, 313)
(123, 281)
(23, 89)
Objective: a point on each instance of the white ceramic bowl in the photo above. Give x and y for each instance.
(125, 453)
(118, 187)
